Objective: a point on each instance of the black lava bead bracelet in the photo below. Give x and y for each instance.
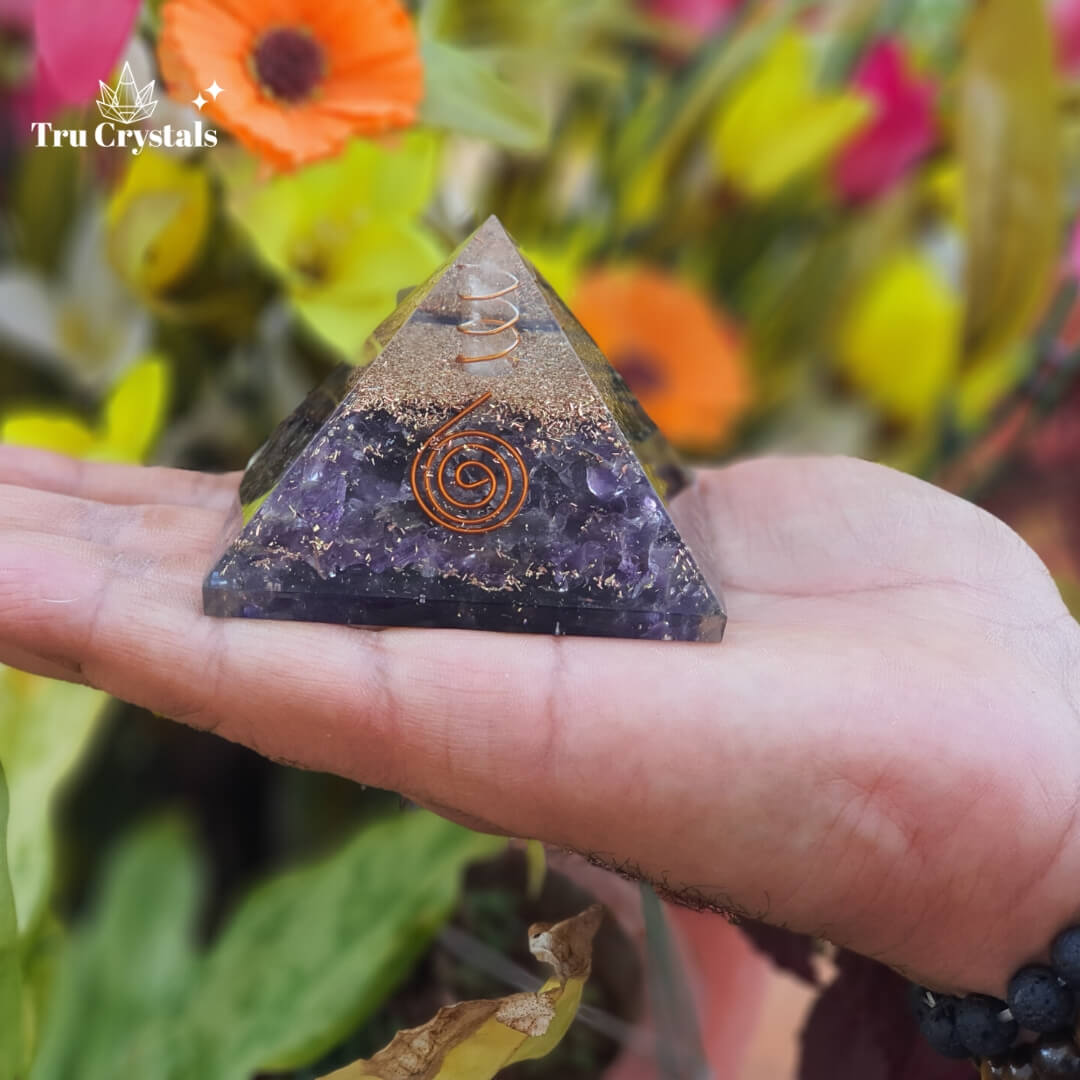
(1040, 999)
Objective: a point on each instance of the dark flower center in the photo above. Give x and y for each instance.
(640, 371)
(289, 63)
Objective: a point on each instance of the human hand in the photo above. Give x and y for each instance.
(884, 751)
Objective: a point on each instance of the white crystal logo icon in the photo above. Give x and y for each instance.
(127, 104)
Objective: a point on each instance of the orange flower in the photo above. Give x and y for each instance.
(298, 78)
(678, 354)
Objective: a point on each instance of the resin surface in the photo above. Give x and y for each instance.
(435, 487)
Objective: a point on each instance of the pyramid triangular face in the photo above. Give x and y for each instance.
(488, 469)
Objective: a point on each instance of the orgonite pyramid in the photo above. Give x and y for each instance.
(487, 469)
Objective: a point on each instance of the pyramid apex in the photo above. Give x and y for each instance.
(492, 227)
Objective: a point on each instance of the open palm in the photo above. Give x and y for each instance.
(885, 750)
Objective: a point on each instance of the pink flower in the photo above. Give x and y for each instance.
(76, 43)
(1066, 19)
(79, 43)
(703, 15)
(17, 13)
(903, 131)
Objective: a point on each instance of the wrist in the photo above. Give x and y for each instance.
(1030, 1035)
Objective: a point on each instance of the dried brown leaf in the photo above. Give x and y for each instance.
(473, 1040)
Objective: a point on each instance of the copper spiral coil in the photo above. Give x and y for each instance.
(486, 326)
(492, 457)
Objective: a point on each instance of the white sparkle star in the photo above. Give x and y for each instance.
(213, 89)
(199, 102)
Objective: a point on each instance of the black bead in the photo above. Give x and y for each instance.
(1039, 1002)
(1065, 956)
(1056, 1057)
(980, 1029)
(938, 1028)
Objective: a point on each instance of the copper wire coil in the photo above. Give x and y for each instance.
(497, 325)
(490, 455)
(488, 326)
(463, 359)
(514, 284)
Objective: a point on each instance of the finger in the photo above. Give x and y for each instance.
(37, 665)
(123, 484)
(154, 529)
(169, 574)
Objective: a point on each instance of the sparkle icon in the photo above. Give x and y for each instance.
(213, 89)
(127, 103)
(198, 102)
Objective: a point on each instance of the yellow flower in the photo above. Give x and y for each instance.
(777, 128)
(942, 186)
(342, 235)
(131, 420)
(563, 264)
(157, 220)
(900, 340)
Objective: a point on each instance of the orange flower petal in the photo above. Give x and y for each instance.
(681, 357)
(373, 81)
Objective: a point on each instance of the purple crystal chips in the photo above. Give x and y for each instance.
(488, 469)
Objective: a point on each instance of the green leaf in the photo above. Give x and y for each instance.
(45, 728)
(10, 976)
(557, 38)
(39, 958)
(45, 200)
(666, 128)
(312, 953)
(300, 963)
(931, 25)
(1009, 142)
(435, 18)
(679, 1049)
(1070, 593)
(146, 914)
(535, 868)
(464, 94)
(129, 973)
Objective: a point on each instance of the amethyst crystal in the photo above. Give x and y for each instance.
(488, 469)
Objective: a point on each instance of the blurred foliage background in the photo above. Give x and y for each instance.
(837, 226)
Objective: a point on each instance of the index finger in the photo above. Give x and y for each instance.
(124, 485)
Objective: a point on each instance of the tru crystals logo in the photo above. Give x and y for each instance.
(127, 104)
(123, 106)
